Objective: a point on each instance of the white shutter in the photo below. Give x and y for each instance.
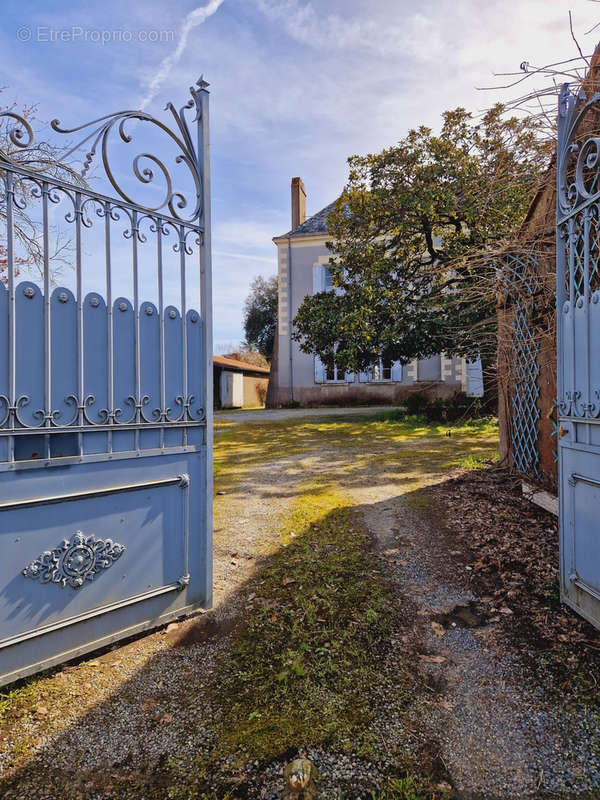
(319, 370)
(349, 377)
(318, 278)
(396, 371)
(364, 376)
(474, 378)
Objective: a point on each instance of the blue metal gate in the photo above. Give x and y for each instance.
(105, 394)
(578, 335)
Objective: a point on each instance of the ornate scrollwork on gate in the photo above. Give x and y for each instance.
(578, 250)
(75, 561)
(149, 376)
(579, 154)
(145, 166)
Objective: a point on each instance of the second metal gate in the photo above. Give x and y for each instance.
(578, 334)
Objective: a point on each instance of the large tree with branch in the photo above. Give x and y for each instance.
(413, 242)
(260, 315)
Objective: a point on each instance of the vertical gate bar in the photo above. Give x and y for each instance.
(586, 311)
(184, 359)
(136, 326)
(110, 399)
(79, 291)
(12, 323)
(161, 331)
(560, 248)
(47, 321)
(206, 313)
(572, 243)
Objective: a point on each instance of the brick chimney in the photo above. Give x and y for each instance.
(298, 202)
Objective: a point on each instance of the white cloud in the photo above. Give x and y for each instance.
(192, 20)
(366, 32)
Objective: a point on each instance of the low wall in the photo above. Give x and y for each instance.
(349, 394)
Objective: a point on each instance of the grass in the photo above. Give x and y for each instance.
(308, 663)
(473, 462)
(400, 443)
(404, 789)
(305, 663)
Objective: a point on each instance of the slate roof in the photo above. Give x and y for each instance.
(315, 224)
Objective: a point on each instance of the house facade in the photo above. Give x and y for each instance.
(302, 265)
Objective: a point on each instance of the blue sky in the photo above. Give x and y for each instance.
(296, 87)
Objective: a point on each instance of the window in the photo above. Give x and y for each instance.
(332, 373)
(327, 371)
(384, 369)
(381, 370)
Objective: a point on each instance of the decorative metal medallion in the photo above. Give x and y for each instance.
(77, 560)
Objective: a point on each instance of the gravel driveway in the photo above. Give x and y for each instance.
(139, 720)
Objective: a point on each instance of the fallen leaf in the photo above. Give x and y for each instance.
(288, 581)
(41, 710)
(506, 610)
(149, 704)
(432, 659)
(438, 629)
(166, 719)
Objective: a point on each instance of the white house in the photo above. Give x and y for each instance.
(302, 259)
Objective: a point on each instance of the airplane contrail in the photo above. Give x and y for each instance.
(192, 20)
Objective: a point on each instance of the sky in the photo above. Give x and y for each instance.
(296, 87)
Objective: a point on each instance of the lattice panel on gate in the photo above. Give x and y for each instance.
(519, 277)
(526, 392)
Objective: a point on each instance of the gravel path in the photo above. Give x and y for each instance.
(261, 415)
(500, 733)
